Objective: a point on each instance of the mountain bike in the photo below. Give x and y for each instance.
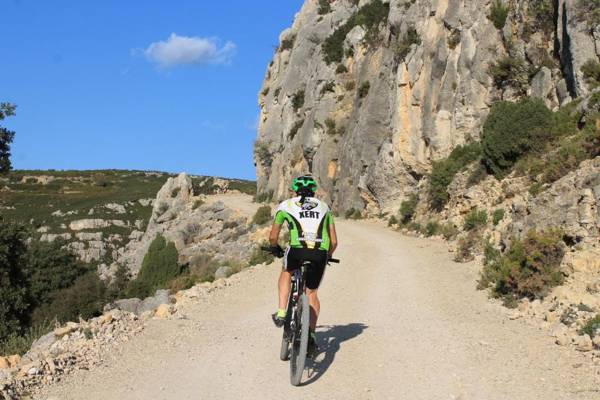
(294, 343)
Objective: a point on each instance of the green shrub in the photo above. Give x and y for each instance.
(449, 231)
(84, 299)
(287, 44)
(408, 208)
(403, 46)
(258, 256)
(588, 11)
(324, 7)
(542, 13)
(475, 219)
(363, 90)
(529, 268)
(20, 343)
(262, 216)
(591, 327)
(443, 172)
(370, 16)
(497, 216)
(197, 204)
(498, 14)
(328, 87)
(295, 128)
(341, 69)
(432, 228)
(330, 125)
(352, 213)
(478, 175)
(264, 197)
(298, 100)
(175, 191)
(159, 267)
(510, 72)
(454, 39)
(393, 221)
(513, 130)
(466, 247)
(591, 73)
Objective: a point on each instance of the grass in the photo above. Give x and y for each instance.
(21, 343)
(475, 219)
(497, 216)
(408, 209)
(591, 327)
(262, 216)
(498, 14)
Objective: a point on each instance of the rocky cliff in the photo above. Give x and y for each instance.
(366, 94)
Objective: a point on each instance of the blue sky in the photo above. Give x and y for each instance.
(153, 84)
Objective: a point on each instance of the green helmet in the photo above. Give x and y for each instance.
(304, 183)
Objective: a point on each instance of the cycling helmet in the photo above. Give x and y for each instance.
(304, 185)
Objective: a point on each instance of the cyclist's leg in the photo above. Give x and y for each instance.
(285, 280)
(315, 307)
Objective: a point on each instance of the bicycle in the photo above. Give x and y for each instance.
(294, 343)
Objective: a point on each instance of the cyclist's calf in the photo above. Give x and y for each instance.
(315, 306)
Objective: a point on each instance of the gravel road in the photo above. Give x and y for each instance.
(399, 321)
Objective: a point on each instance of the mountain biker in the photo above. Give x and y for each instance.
(312, 238)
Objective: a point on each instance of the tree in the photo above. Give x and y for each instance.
(13, 284)
(6, 137)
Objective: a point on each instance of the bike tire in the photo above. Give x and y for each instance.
(300, 341)
(284, 353)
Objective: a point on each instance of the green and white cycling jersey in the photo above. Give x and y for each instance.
(308, 222)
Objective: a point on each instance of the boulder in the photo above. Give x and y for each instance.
(152, 303)
(4, 363)
(163, 311)
(223, 272)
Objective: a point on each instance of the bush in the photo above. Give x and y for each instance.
(591, 73)
(159, 267)
(591, 327)
(478, 175)
(443, 172)
(403, 46)
(475, 219)
(175, 192)
(370, 16)
(328, 87)
(287, 44)
(363, 90)
(352, 213)
(392, 221)
(408, 208)
(341, 69)
(529, 268)
(84, 299)
(324, 7)
(298, 100)
(265, 91)
(449, 231)
(264, 197)
(258, 256)
(454, 39)
(432, 228)
(513, 130)
(497, 216)
(542, 13)
(20, 343)
(466, 247)
(262, 216)
(510, 72)
(262, 153)
(295, 128)
(498, 14)
(330, 125)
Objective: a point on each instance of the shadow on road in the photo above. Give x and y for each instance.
(329, 339)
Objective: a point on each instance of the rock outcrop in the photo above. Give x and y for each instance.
(407, 91)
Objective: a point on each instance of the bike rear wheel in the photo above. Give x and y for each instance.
(300, 341)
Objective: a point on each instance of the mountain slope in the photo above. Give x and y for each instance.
(366, 94)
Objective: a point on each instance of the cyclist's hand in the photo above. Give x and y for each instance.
(277, 251)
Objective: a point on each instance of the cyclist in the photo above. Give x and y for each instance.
(312, 238)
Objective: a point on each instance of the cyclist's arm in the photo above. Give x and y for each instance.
(332, 237)
(276, 228)
(274, 235)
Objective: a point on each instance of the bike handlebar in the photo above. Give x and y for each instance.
(273, 251)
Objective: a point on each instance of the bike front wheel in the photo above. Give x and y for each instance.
(300, 341)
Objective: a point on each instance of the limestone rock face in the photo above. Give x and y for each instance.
(370, 147)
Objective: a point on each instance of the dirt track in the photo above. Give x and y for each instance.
(399, 321)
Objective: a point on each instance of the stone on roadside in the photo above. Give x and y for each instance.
(163, 311)
(223, 272)
(14, 360)
(152, 303)
(65, 330)
(584, 343)
(4, 363)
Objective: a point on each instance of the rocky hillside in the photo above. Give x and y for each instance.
(97, 213)
(367, 94)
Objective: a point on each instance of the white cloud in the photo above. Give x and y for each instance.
(184, 50)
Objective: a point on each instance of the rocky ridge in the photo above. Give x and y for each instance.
(407, 91)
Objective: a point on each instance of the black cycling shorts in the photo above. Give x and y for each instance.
(294, 256)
